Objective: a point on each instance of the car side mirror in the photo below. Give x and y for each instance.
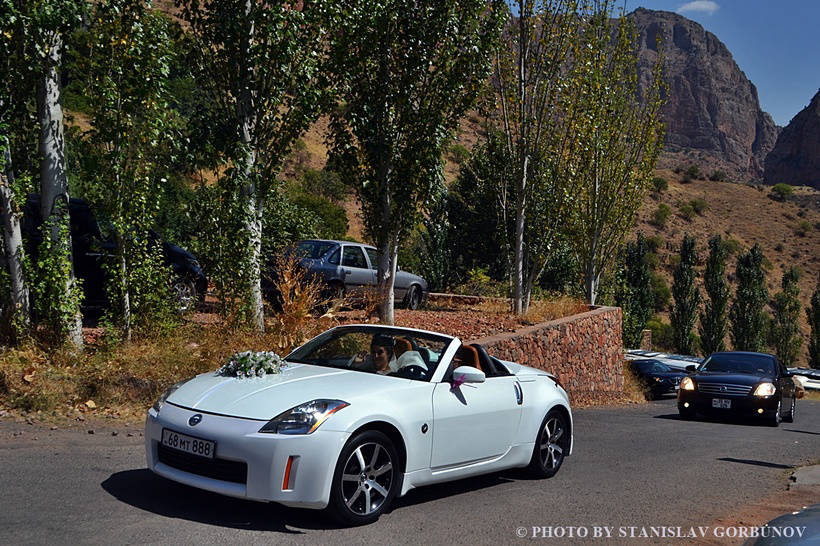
(691, 368)
(468, 374)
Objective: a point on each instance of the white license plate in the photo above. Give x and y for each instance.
(721, 403)
(188, 444)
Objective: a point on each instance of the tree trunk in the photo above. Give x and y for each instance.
(388, 261)
(518, 258)
(592, 279)
(124, 288)
(13, 241)
(53, 179)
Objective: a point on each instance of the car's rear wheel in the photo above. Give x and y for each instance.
(789, 418)
(413, 297)
(184, 291)
(551, 445)
(366, 480)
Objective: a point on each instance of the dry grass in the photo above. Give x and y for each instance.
(635, 388)
(539, 311)
(812, 395)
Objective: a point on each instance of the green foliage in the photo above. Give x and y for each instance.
(785, 331)
(478, 283)
(663, 335)
(57, 294)
(803, 228)
(332, 219)
(459, 153)
(747, 316)
(325, 183)
(813, 316)
(732, 246)
(687, 211)
(693, 172)
(781, 191)
(435, 256)
(660, 215)
(661, 294)
(654, 243)
(687, 298)
(407, 72)
(286, 222)
(633, 293)
(619, 140)
(659, 184)
(699, 205)
(718, 176)
(714, 318)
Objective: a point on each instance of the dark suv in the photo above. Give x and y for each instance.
(350, 268)
(90, 248)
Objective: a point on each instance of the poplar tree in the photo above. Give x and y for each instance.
(786, 312)
(813, 316)
(687, 298)
(747, 315)
(634, 292)
(714, 320)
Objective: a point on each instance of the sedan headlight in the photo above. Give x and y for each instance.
(305, 418)
(168, 392)
(687, 384)
(765, 389)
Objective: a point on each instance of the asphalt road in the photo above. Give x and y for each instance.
(634, 466)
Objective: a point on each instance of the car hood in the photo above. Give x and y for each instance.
(668, 375)
(266, 397)
(731, 378)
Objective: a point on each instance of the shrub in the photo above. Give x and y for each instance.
(332, 218)
(700, 205)
(687, 211)
(732, 246)
(654, 242)
(662, 334)
(781, 191)
(652, 260)
(693, 171)
(718, 176)
(803, 228)
(660, 215)
(479, 283)
(459, 153)
(326, 183)
(659, 184)
(686, 178)
(660, 292)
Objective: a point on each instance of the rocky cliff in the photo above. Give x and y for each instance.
(712, 114)
(795, 158)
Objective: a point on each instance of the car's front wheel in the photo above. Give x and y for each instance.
(789, 418)
(184, 291)
(551, 445)
(774, 417)
(366, 480)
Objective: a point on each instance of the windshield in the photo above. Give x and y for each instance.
(313, 249)
(652, 366)
(393, 352)
(739, 363)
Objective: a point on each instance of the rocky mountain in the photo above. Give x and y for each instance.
(713, 116)
(795, 158)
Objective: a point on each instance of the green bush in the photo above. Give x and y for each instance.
(652, 260)
(687, 211)
(479, 283)
(803, 228)
(660, 215)
(659, 184)
(332, 218)
(718, 176)
(732, 246)
(693, 171)
(654, 242)
(459, 153)
(325, 183)
(662, 335)
(700, 205)
(660, 291)
(781, 191)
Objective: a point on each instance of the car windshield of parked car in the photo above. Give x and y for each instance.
(652, 366)
(386, 351)
(739, 363)
(313, 249)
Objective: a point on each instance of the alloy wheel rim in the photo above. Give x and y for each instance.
(367, 478)
(552, 450)
(184, 295)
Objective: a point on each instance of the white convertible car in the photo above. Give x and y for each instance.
(357, 416)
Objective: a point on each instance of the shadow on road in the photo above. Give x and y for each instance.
(145, 490)
(712, 418)
(801, 431)
(756, 463)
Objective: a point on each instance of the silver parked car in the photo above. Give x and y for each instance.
(351, 268)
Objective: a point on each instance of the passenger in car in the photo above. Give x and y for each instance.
(380, 357)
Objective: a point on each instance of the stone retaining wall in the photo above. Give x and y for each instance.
(584, 351)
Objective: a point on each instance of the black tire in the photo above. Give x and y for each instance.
(687, 413)
(184, 291)
(413, 297)
(359, 495)
(774, 418)
(789, 418)
(551, 445)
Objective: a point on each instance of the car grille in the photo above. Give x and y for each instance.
(218, 469)
(723, 389)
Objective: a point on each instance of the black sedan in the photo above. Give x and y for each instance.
(658, 378)
(735, 383)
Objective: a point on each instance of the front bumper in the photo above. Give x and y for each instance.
(745, 404)
(266, 455)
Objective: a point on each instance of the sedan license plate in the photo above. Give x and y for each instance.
(188, 444)
(721, 403)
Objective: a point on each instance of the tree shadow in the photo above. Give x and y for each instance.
(756, 463)
(801, 431)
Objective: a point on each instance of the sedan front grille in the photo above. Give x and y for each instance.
(724, 389)
(218, 469)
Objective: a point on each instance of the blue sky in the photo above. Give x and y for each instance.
(775, 42)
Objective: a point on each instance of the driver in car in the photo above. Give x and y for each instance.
(380, 357)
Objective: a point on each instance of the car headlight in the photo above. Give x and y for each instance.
(305, 418)
(686, 384)
(168, 392)
(765, 389)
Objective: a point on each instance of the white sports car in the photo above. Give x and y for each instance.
(357, 416)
